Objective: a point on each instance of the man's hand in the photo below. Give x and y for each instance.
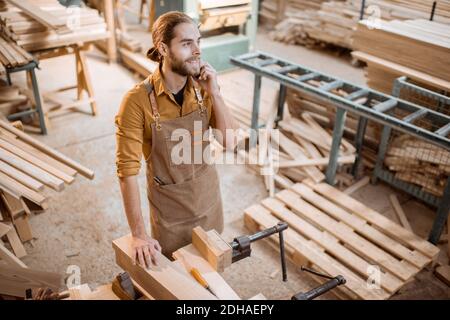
(145, 251)
(208, 79)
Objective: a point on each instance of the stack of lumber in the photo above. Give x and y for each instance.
(419, 49)
(417, 8)
(46, 24)
(26, 167)
(273, 11)
(336, 22)
(420, 163)
(12, 55)
(338, 235)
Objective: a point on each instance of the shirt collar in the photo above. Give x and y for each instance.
(159, 86)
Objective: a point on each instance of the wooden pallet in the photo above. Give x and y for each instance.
(337, 234)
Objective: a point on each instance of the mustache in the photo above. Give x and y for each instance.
(192, 59)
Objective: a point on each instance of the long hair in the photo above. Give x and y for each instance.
(163, 30)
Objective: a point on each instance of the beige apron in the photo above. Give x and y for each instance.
(182, 196)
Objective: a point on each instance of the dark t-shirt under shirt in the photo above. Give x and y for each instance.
(179, 96)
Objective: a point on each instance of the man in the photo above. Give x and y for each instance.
(182, 93)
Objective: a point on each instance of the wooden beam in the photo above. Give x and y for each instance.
(164, 281)
(213, 248)
(358, 185)
(23, 228)
(399, 211)
(15, 243)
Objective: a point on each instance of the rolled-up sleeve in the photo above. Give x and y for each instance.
(129, 136)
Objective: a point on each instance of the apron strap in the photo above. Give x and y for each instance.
(154, 106)
(198, 96)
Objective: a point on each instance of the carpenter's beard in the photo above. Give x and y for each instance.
(188, 67)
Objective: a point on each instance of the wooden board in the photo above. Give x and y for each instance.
(10, 258)
(213, 248)
(163, 282)
(14, 281)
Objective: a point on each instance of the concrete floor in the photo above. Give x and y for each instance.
(81, 221)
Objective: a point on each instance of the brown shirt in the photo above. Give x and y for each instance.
(133, 121)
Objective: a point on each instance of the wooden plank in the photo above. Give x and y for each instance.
(192, 258)
(391, 228)
(15, 281)
(38, 154)
(260, 216)
(32, 170)
(37, 162)
(21, 177)
(163, 281)
(10, 258)
(22, 191)
(399, 211)
(212, 247)
(23, 228)
(44, 17)
(52, 152)
(16, 244)
(347, 159)
(358, 185)
(329, 243)
(13, 206)
(357, 243)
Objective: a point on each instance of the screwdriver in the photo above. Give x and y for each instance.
(197, 275)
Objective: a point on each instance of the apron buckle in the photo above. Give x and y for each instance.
(158, 124)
